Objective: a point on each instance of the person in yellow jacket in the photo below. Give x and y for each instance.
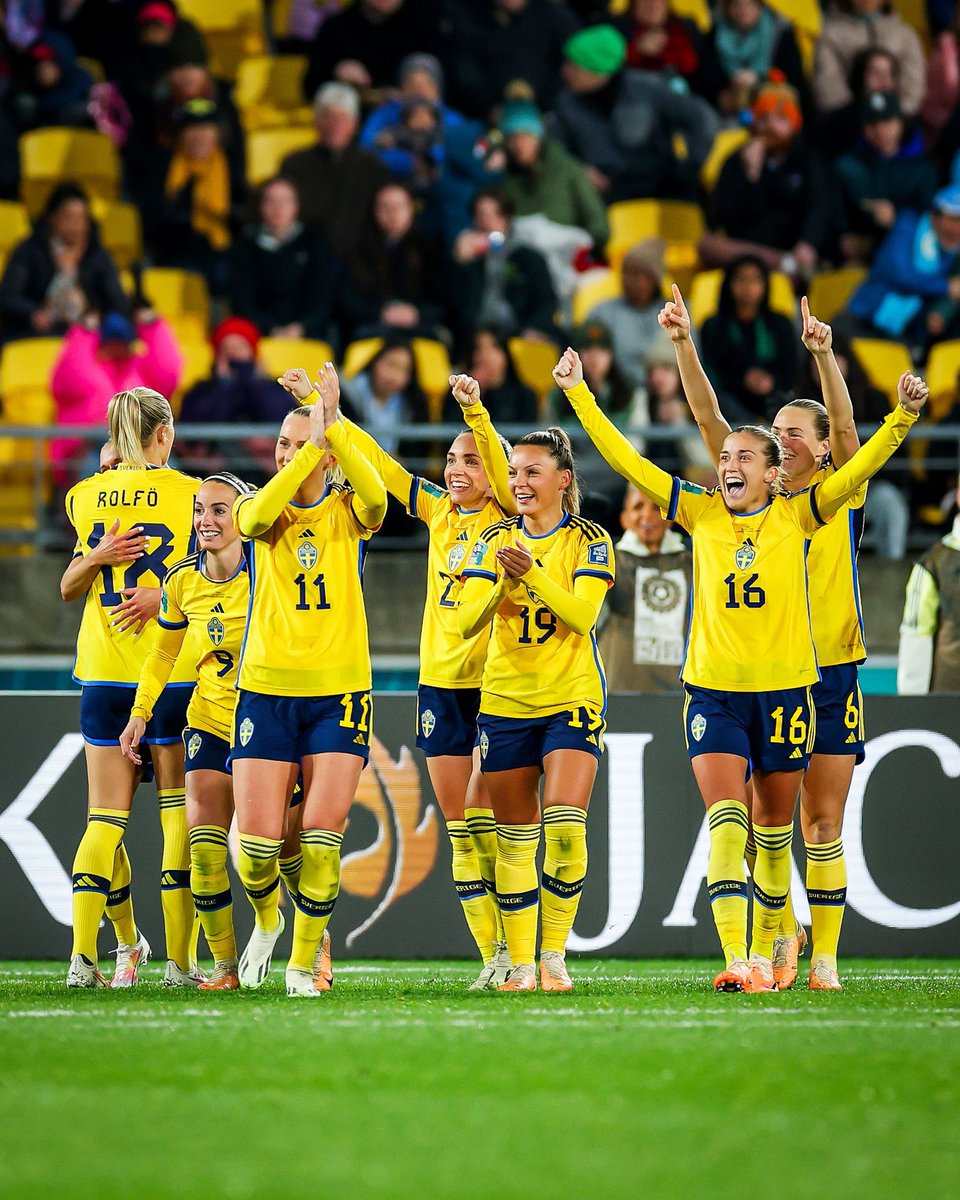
(750, 661)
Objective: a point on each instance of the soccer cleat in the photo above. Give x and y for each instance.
(786, 952)
(522, 978)
(824, 978)
(83, 974)
(174, 977)
(323, 965)
(760, 971)
(129, 961)
(484, 981)
(734, 978)
(495, 970)
(255, 960)
(224, 978)
(553, 972)
(300, 983)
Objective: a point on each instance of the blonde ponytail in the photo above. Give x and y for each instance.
(558, 443)
(134, 416)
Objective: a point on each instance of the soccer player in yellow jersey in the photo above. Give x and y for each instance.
(539, 579)
(750, 660)
(448, 694)
(817, 439)
(209, 592)
(304, 679)
(133, 522)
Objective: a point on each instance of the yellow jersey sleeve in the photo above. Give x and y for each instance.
(492, 454)
(256, 515)
(397, 479)
(167, 643)
(369, 500)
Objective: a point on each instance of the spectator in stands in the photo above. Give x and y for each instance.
(336, 180)
(623, 403)
(749, 351)
(365, 44)
(496, 43)
(632, 317)
(420, 78)
(542, 177)
(885, 174)
(507, 399)
(59, 273)
(393, 283)
(873, 70)
(100, 358)
(686, 455)
(164, 39)
(772, 199)
(852, 26)
(386, 394)
(659, 41)
(283, 279)
(622, 123)
(913, 290)
(495, 282)
(419, 135)
(746, 42)
(929, 654)
(943, 77)
(51, 87)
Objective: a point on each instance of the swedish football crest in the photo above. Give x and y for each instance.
(194, 745)
(308, 554)
(457, 554)
(246, 731)
(745, 555)
(428, 722)
(484, 744)
(215, 630)
(698, 726)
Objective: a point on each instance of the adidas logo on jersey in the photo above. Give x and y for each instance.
(851, 737)
(308, 533)
(360, 740)
(218, 608)
(796, 753)
(463, 537)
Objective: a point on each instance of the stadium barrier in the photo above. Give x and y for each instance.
(647, 838)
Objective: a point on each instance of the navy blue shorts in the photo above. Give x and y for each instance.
(447, 720)
(510, 742)
(105, 711)
(839, 704)
(773, 731)
(288, 728)
(205, 751)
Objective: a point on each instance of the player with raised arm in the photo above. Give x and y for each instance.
(448, 691)
(305, 702)
(133, 522)
(750, 660)
(539, 580)
(817, 439)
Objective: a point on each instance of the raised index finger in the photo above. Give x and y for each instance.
(804, 310)
(677, 297)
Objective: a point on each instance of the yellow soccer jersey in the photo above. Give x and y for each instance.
(160, 500)
(307, 628)
(536, 665)
(835, 584)
(215, 612)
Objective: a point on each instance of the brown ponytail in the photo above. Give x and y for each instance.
(134, 416)
(556, 441)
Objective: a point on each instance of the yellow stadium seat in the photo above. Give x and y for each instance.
(433, 371)
(24, 487)
(884, 362)
(176, 293)
(914, 12)
(704, 296)
(358, 354)
(232, 31)
(14, 225)
(268, 92)
(26, 368)
(725, 143)
(595, 288)
(52, 156)
(120, 230)
(672, 220)
(830, 290)
(807, 20)
(267, 148)
(941, 372)
(697, 11)
(277, 355)
(187, 327)
(534, 362)
(197, 365)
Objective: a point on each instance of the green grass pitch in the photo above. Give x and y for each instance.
(397, 1084)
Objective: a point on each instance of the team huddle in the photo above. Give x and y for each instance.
(224, 631)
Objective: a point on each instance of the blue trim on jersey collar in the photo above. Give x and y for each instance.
(537, 536)
(200, 561)
(316, 503)
(755, 511)
(468, 511)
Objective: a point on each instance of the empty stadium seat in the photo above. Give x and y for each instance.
(534, 362)
(26, 368)
(830, 290)
(593, 290)
(176, 293)
(277, 355)
(884, 362)
(14, 225)
(58, 155)
(672, 220)
(232, 30)
(267, 148)
(941, 372)
(120, 230)
(725, 143)
(704, 295)
(197, 365)
(268, 92)
(807, 21)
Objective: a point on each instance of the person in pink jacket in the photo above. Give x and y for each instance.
(98, 361)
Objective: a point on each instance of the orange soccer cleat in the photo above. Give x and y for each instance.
(824, 978)
(323, 965)
(761, 975)
(786, 952)
(523, 978)
(734, 978)
(223, 979)
(553, 972)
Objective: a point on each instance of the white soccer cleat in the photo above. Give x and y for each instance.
(300, 982)
(174, 977)
(256, 958)
(495, 970)
(553, 972)
(82, 973)
(129, 961)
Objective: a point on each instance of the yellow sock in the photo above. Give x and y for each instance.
(471, 890)
(564, 873)
(210, 886)
(290, 869)
(179, 915)
(771, 883)
(483, 832)
(119, 905)
(517, 891)
(788, 918)
(260, 875)
(827, 894)
(92, 868)
(319, 888)
(726, 877)
(750, 852)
